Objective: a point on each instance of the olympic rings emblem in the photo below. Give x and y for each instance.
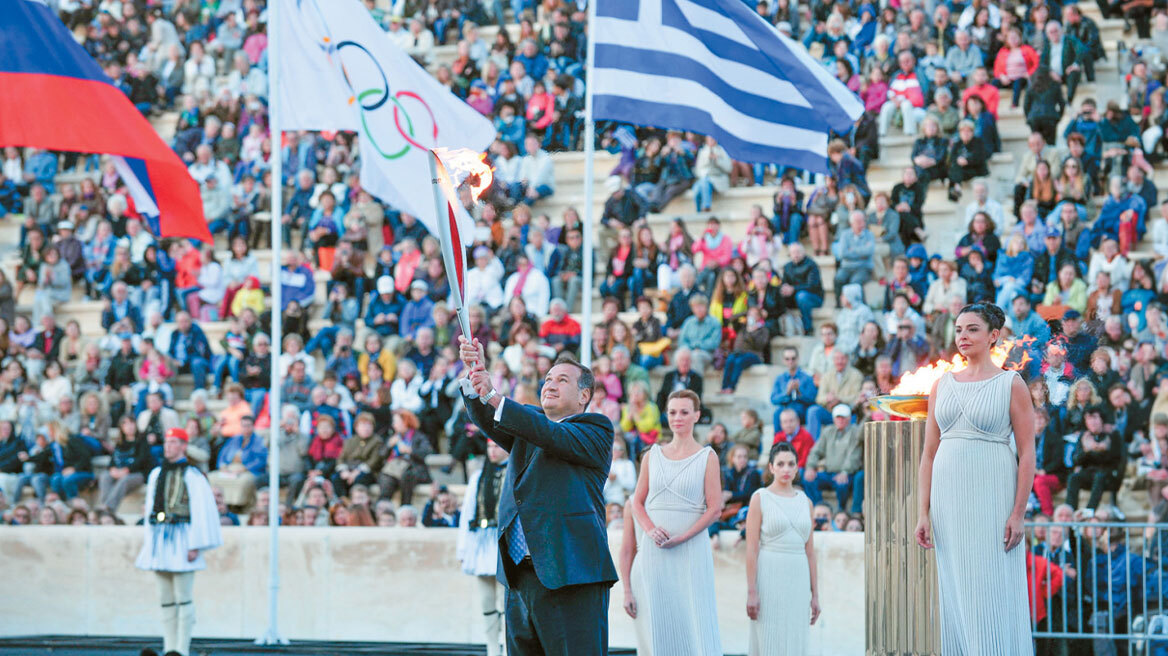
(374, 98)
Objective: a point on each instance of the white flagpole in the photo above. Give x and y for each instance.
(589, 155)
(276, 226)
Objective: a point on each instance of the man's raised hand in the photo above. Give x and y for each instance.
(471, 353)
(481, 380)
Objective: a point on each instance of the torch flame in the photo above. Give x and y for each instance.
(920, 382)
(467, 166)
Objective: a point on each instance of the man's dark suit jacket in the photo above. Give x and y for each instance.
(555, 479)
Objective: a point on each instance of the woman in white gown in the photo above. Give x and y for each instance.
(782, 599)
(631, 533)
(678, 496)
(973, 492)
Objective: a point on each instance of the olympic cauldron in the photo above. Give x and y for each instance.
(901, 578)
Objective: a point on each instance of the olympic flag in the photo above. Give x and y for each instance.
(340, 71)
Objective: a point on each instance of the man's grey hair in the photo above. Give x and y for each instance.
(587, 380)
(558, 302)
(406, 510)
(290, 413)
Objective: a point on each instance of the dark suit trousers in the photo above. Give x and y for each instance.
(570, 621)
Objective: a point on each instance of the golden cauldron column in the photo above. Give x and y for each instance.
(900, 577)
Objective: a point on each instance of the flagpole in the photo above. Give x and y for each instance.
(589, 155)
(276, 226)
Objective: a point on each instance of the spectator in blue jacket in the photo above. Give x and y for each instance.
(1116, 577)
(700, 333)
(511, 127)
(1024, 321)
(189, 349)
(297, 282)
(1119, 200)
(1115, 131)
(243, 461)
(41, 166)
(794, 388)
(846, 169)
(299, 208)
(120, 307)
(854, 250)
(418, 312)
(10, 201)
(1086, 124)
(534, 61)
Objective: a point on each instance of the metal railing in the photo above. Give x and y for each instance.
(1098, 588)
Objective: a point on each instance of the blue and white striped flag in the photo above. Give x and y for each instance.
(717, 68)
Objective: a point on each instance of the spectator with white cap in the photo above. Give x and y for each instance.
(382, 314)
(836, 460)
(72, 252)
(482, 281)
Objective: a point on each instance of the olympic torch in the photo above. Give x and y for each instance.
(449, 170)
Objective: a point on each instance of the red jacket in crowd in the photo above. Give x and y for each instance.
(1028, 54)
(802, 443)
(1043, 580)
(329, 449)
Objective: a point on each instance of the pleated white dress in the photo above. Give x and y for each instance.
(784, 577)
(674, 587)
(982, 587)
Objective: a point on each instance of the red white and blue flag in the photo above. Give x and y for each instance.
(56, 97)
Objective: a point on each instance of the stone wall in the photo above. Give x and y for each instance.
(342, 584)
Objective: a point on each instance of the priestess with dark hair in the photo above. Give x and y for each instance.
(968, 455)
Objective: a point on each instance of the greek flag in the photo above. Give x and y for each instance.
(717, 68)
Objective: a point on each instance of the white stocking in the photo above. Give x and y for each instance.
(183, 589)
(169, 610)
(489, 595)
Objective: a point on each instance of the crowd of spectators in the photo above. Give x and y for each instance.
(368, 372)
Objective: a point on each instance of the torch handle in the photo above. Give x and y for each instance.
(464, 323)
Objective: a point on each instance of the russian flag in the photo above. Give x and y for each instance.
(56, 97)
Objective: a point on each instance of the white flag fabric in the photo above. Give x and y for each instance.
(340, 71)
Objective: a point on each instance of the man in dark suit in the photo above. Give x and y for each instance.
(553, 545)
